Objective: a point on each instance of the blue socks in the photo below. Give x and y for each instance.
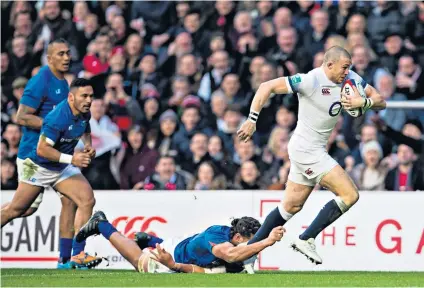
(77, 247)
(65, 248)
(106, 229)
(273, 220)
(153, 241)
(328, 214)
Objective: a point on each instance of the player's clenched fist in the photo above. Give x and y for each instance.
(90, 151)
(81, 159)
(246, 130)
(276, 234)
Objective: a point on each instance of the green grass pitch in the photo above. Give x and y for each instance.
(120, 278)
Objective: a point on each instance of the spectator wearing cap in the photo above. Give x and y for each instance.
(394, 49)
(370, 174)
(161, 139)
(165, 176)
(213, 78)
(190, 124)
(406, 176)
(139, 160)
(410, 78)
(125, 111)
(384, 18)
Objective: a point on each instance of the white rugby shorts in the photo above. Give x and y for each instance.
(311, 174)
(33, 174)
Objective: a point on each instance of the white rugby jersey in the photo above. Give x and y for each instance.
(319, 108)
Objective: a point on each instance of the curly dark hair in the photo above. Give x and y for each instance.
(246, 226)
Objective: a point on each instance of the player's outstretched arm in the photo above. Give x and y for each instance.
(166, 259)
(25, 117)
(230, 253)
(276, 86)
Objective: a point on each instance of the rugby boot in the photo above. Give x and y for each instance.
(85, 261)
(91, 227)
(307, 248)
(142, 239)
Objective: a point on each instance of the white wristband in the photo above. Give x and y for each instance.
(65, 158)
(253, 116)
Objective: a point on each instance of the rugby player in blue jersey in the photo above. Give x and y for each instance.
(42, 94)
(205, 252)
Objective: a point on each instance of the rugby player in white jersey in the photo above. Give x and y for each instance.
(320, 103)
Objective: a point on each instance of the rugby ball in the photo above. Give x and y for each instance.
(347, 91)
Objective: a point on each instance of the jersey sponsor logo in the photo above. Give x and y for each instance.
(335, 109)
(295, 79)
(309, 172)
(325, 91)
(68, 140)
(58, 91)
(128, 226)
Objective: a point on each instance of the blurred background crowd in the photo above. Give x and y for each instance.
(174, 80)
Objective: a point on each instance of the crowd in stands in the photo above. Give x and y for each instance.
(174, 81)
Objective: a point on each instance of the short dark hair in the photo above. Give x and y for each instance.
(246, 226)
(59, 41)
(193, 11)
(80, 82)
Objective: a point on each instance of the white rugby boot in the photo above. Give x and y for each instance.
(249, 264)
(307, 248)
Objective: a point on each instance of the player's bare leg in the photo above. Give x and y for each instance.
(22, 200)
(98, 224)
(80, 192)
(27, 213)
(339, 183)
(294, 197)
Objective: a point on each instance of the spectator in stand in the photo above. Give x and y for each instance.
(384, 18)
(7, 74)
(287, 50)
(394, 49)
(406, 176)
(315, 38)
(246, 151)
(369, 71)
(414, 28)
(165, 176)
(21, 59)
(285, 118)
(120, 30)
(207, 177)
(318, 59)
(181, 88)
(386, 87)
(410, 78)
(12, 134)
(133, 50)
(248, 177)
(86, 35)
(22, 24)
(410, 136)
(162, 139)
(368, 133)
(18, 90)
(4, 149)
(231, 87)
(218, 106)
(211, 80)
(198, 153)
(124, 109)
(359, 39)
(336, 146)
(340, 15)
(279, 181)
(96, 61)
(139, 160)
(220, 156)
(8, 175)
(190, 124)
(150, 107)
(370, 174)
(232, 121)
